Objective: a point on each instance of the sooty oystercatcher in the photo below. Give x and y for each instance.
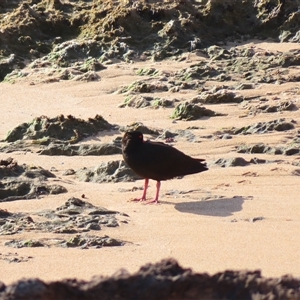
(157, 161)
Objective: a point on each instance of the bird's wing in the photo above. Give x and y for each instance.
(160, 162)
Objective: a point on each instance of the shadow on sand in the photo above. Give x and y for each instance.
(219, 208)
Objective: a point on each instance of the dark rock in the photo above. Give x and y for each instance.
(86, 242)
(258, 148)
(70, 129)
(165, 280)
(75, 203)
(245, 86)
(55, 189)
(187, 135)
(25, 182)
(26, 289)
(167, 135)
(113, 171)
(75, 216)
(264, 127)
(221, 96)
(292, 151)
(199, 71)
(226, 136)
(216, 52)
(81, 150)
(69, 172)
(262, 148)
(139, 127)
(7, 66)
(230, 162)
(22, 244)
(40, 33)
(4, 213)
(257, 161)
(271, 108)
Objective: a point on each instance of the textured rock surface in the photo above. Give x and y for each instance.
(165, 280)
(72, 39)
(25, 182)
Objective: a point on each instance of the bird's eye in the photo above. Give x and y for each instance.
(140, 136)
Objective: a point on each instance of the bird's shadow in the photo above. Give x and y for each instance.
(223, 207)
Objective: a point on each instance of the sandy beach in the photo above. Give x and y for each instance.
(243, 217)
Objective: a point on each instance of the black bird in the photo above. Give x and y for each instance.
(157, 161)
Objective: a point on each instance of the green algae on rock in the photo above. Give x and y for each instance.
(140, 101)
(189, 111)
(66, 32)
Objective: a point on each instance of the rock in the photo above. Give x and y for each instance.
(271, 107)
(138, 126)
(140, 101)
(221, 96)
(167, 135)
(75, 216)
(200, 71)
(77, 241)
(245, 86)
(163, 280)
(189, 111)
(292, 150)
(69, 172)
(113, 171)
(22, 244)
(86, 242)
(81, 150)
(231, 162)
(43, 130)
(38, 34)
(258, 148)
(148, 72)
(264, 127)
(143, 87)
(217, 52)
(25, 182)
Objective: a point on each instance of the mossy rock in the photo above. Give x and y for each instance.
(63, 128)
(189, 111)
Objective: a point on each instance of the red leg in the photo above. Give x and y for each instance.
(155, 201)
(143, 198)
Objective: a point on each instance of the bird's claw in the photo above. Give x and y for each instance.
(138, 200)
(152, 202)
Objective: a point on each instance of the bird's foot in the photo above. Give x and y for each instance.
(138, 200)
(155, 201)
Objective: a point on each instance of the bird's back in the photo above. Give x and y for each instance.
(159, 161)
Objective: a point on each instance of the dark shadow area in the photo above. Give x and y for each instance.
(219, 208)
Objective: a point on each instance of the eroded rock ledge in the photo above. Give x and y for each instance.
(163, 280)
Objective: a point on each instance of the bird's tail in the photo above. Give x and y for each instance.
(203, 164)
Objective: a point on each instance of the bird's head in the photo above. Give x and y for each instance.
(132, 138)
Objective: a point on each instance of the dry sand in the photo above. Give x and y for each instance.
(208, 236)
